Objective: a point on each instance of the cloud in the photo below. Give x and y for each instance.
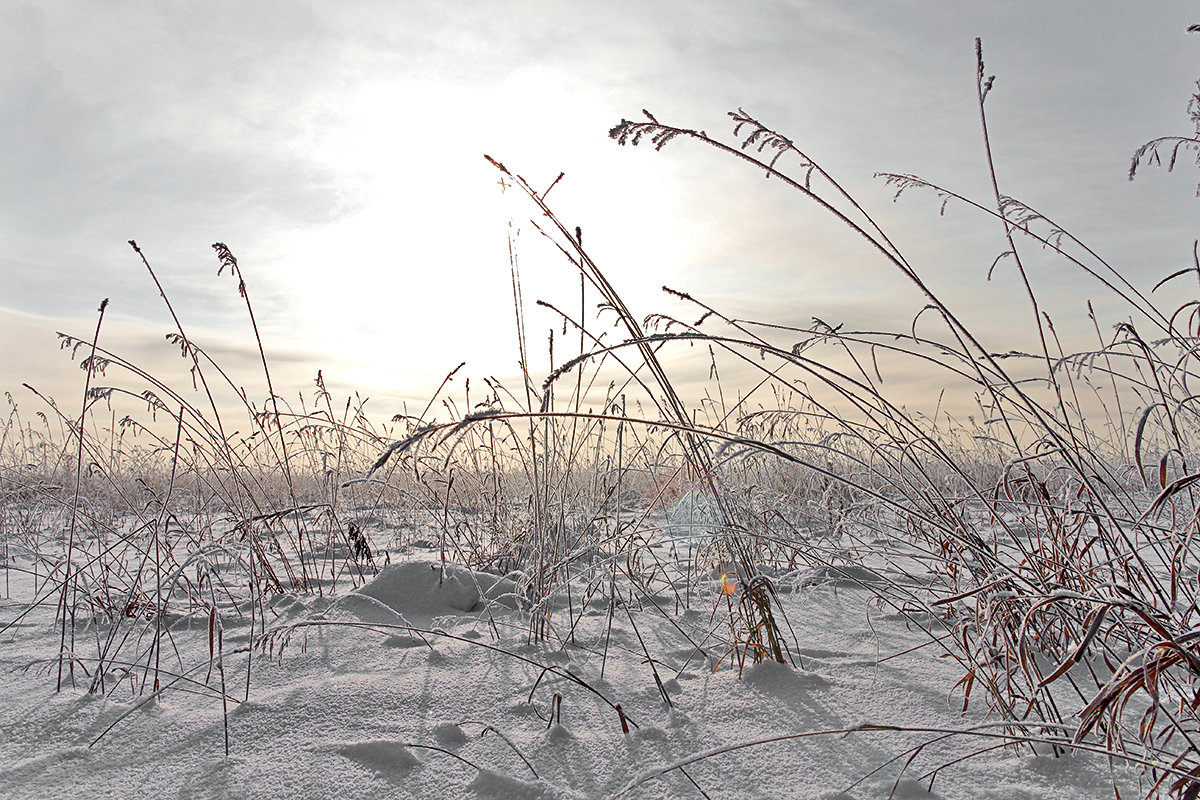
(123, 124)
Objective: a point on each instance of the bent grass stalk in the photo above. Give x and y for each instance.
(67, 606)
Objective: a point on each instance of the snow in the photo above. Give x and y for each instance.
(425, 683)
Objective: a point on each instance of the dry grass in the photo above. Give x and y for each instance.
(1046, 545)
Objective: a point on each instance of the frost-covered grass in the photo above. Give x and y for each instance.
(424, 691)
(593, 585)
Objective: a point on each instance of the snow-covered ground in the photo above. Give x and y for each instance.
(427, 684)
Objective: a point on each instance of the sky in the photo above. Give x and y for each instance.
(337, 148)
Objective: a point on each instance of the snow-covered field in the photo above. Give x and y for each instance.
(427, 683)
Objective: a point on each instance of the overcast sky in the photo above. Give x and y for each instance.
(337, 148)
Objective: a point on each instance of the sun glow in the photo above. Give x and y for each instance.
(416, 276)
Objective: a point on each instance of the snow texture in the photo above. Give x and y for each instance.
(425, 683)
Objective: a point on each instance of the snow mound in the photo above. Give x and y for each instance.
(694, 510)
(492, 784)
(382, 756)
(450, 734)
(841, 575)
(771, 677)
(418, 591)
(912, 789)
